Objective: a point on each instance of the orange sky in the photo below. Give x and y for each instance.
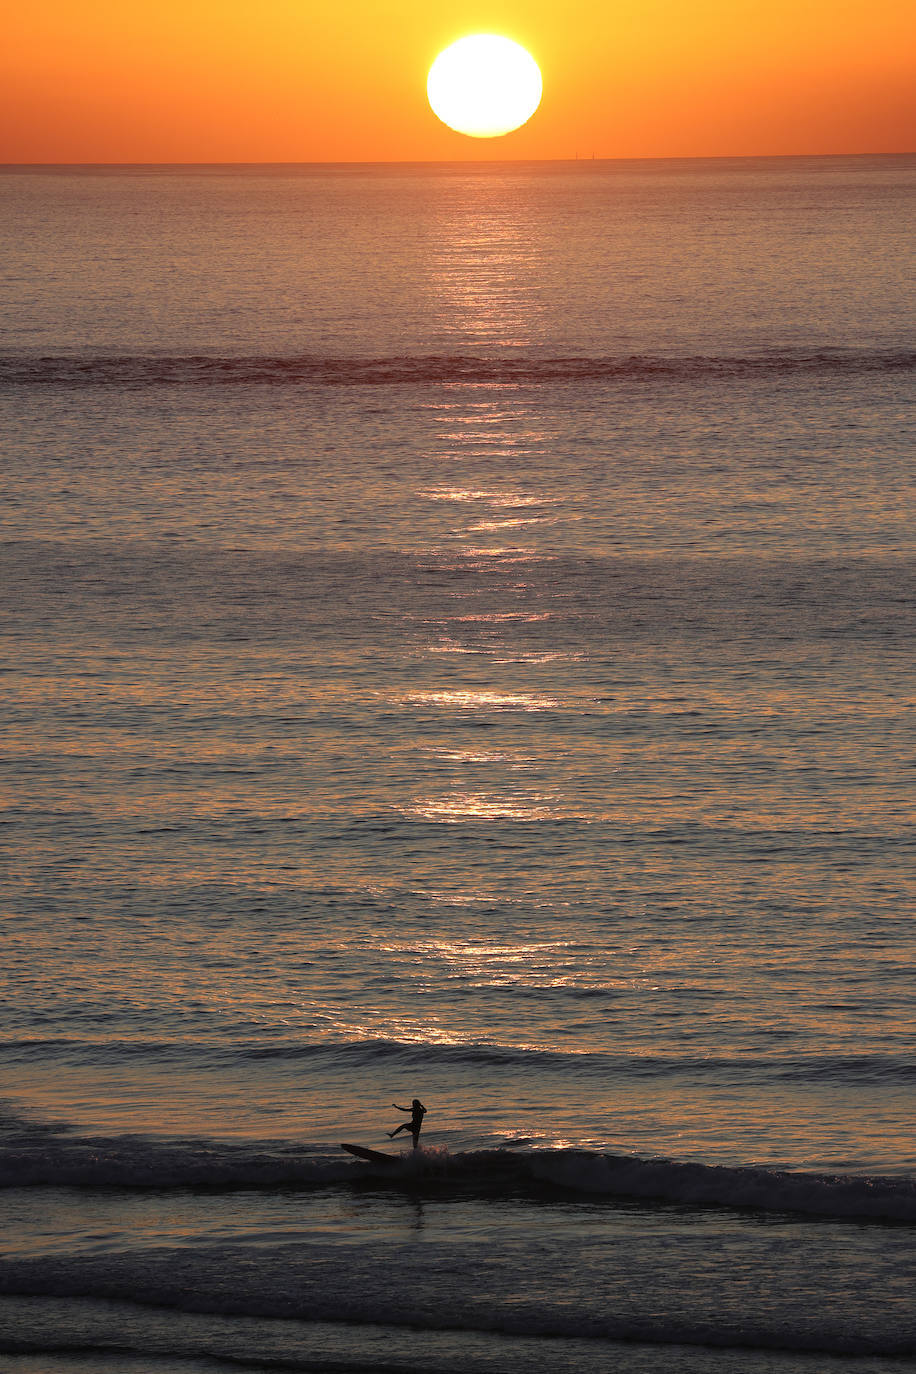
(289, 80)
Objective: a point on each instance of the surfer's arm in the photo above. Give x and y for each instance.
(401, 1109)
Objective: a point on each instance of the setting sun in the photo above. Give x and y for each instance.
(484, 86)
(239, 81)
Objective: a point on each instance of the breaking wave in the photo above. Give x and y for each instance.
(53, 1159)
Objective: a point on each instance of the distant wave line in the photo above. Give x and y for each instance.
(435, 369)
(372, 1051)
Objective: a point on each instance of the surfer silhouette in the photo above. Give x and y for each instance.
(417, 1113)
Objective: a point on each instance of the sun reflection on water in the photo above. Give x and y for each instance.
(485, 275)
(496, 617)
(487, 526)
(464, 699)
(512, 500)
(486, 266)
(478, 756)
(481, 806)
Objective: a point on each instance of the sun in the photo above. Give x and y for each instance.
(484, 85)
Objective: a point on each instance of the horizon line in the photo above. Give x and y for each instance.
(463, 162)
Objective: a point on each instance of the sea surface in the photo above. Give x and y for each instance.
(458, 643)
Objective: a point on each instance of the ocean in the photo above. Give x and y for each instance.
(458, 643)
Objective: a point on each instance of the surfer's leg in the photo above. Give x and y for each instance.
(403, 1127)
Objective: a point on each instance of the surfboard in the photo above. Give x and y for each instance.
(371, 1156)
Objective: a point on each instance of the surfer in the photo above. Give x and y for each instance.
(417, 1113)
